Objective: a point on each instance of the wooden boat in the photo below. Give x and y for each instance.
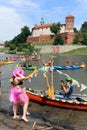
(71, 67)
(54, 99)
(75, 103)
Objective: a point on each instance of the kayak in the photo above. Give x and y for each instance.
(7, 62)
(71, 67)
(30, 68)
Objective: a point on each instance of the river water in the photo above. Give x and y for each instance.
(70, 119)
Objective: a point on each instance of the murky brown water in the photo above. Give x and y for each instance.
(71, 119)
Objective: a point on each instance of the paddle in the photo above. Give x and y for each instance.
(48, 86)
(52, 85)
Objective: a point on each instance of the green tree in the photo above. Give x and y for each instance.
(83, 31)
(21, 38)
(76, 31)
(58, 40)
(55, 28)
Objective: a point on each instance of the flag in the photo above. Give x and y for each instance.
(83, 87)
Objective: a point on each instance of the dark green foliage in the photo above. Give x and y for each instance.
(84, 33)
(21, 38)
(58, 40)
(18, 41)
(55, 28)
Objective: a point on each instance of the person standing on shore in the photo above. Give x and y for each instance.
(17, 94)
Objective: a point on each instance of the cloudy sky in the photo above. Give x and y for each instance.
(15, 14)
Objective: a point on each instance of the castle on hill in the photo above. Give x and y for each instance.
(42, 33)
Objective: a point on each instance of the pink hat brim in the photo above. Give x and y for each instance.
(18, 70)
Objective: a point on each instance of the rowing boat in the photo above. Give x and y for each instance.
(76, 103)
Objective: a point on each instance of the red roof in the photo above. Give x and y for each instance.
(42, 26)
(70, 16)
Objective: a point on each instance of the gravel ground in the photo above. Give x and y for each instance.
(8, 123)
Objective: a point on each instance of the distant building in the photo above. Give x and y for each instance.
(42, 33)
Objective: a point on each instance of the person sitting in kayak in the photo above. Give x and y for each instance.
(67, 88)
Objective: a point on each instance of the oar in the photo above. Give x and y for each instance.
(52, 83)
(48, 86)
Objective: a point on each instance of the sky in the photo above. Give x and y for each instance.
(15, 14)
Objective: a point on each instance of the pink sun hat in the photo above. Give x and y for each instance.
(18, 70)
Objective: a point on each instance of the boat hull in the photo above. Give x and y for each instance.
(61, 103)
(7, 62)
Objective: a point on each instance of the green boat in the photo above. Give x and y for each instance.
(30, 68)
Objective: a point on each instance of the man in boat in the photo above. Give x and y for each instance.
(67, 88)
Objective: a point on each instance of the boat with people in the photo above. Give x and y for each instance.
(26, 67)
(70, 67)
(30, 68)
(77, 102)
(53, 98)
(66, 67)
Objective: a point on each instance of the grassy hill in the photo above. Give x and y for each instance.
(80, 51)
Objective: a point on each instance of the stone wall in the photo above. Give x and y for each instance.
(68, 38)
(47, 49)
(41, 38)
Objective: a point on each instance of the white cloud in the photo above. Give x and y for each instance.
(10, 23)
(23, 3)
(14, 14)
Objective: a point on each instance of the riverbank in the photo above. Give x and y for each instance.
(8, 123)
(46, 49)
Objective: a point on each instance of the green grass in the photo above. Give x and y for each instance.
(80, 51)
(3, 49)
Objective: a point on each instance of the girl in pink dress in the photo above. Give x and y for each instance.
(17, 94)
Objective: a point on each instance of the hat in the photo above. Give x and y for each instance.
(69, 79)
(18, 70)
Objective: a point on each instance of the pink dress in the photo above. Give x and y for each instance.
(17, 95)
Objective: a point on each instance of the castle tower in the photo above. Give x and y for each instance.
(42, 21)
(69, 23)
